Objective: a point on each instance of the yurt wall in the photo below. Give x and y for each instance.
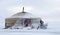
(35, 22)
(18, 22)
(9, 22)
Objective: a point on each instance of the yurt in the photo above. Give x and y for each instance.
(22, 20)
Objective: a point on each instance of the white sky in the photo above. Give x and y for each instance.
(48, 10)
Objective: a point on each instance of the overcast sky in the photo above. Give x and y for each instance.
(48, 10)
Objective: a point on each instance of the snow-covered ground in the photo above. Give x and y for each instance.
(53, 29)
(29, 32)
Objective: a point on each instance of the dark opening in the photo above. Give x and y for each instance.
(26, 22)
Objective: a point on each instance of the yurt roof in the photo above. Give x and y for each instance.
(23, 15)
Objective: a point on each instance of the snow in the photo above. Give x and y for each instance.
(28, 32)
(23, 15)
(53, 29)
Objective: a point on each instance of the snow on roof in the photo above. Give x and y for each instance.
(23, 15)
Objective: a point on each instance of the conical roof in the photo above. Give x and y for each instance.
(23, 15)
